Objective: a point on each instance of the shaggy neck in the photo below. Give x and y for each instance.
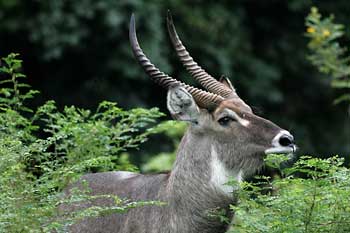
(193, 186)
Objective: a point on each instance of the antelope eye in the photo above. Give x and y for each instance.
(224, 121)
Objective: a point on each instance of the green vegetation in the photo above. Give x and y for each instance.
(164, 161)
(42, 150)
(78, 53)
(311, 196)
(326, 53)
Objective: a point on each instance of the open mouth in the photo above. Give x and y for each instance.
(281, 150)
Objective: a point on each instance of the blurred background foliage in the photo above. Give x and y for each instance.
(78, 53)
(327, 54)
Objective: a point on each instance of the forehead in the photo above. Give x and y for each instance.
(235, 104)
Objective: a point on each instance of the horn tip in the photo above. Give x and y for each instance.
(132, 32)
(169, 16)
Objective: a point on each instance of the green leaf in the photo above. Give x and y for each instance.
(340, 83)
(342, 98)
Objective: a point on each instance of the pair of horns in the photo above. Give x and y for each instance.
(217, 91)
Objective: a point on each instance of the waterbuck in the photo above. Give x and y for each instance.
(224, 140)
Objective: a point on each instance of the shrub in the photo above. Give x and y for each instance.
(316, 200)
(163, 161)
(42, 150)
(326, 53)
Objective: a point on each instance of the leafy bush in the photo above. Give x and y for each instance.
(42, 151)
(314, 200)
(326, 53)
(164, 160)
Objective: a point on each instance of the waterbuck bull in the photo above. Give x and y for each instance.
(224, 140)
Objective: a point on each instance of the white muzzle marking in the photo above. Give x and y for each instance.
(277, 148)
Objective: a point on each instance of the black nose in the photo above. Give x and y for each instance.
(286, 140)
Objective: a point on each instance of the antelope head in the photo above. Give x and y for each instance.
(239, 138)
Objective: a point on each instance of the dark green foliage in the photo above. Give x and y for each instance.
(34, 169)
(327, 55)
(164, 160)
(77, 52)
(316, 203)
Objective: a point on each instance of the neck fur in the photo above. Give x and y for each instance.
(197, 183)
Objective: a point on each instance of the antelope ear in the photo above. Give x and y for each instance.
(182, 105)
(226, 81)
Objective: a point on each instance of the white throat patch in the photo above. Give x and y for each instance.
(220, 175)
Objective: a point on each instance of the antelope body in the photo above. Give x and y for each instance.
(224, 139)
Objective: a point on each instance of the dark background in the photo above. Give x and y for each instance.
(78, 53)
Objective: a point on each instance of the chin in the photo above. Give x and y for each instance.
(254, 164)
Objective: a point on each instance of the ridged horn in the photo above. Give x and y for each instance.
(205, 79)
(203, 99)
